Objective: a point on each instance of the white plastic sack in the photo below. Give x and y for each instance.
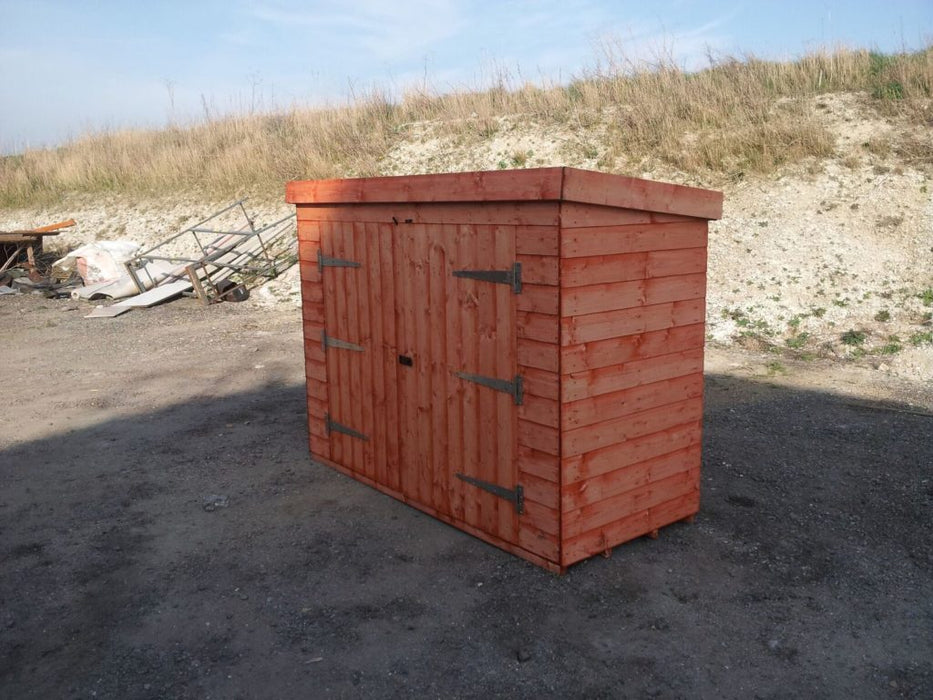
(98, 262)
(149, 275)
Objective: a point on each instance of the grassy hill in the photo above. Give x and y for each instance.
(735, 118)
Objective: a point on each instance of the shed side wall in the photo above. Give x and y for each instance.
(312, 314)
(537, 249)
(632, 332)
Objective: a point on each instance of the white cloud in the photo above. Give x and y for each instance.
(380, 30)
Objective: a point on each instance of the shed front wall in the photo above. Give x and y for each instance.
(415, 427)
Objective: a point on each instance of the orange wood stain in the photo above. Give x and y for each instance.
(606, 337)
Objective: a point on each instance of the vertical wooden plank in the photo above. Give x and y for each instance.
(454, 361)
(488, 398)
(353, 389)
(440, 461)
(408, 378)
(388, 305)
(506, 366)
(365, 359)
(421, 292)
(341, 406)
(330, 323)
(469, 300)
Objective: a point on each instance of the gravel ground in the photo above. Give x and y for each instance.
(164, 533)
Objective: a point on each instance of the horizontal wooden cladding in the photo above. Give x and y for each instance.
(613, 240)
(538, 298)
(539, 382)
(538, 542)
(317, 407)
(601, 269)
(317, 390)
(636, 293)
(538, 463)
(576, 215)
(633, 193)
(614, 324)
(533, 353)
(608, 510)
(537, 240)
(310, 273)
(317, 425)
(540, 523)
(484, 186)
(540, 269)
(539, 490)
(536, 326)
(313, 350)
(309, 238)
(312, 312)
(581, 468)
(533, 214)
(541, 518)
(605, 486)
(628, 527)
(316, 371)
(593, 383)
(614, 351)
(541, 411)
(619, 430)
(594, 409)
(312, 292)
(542, 438)
(320, 447)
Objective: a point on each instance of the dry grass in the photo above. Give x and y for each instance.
(734, 117)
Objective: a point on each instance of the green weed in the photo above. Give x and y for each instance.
(797, 341)
(853, 337)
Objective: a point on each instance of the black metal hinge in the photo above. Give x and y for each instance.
(327, 261)
(515, 388)
(516, 496)
(333, 426)
(328, 341)
(511, 277)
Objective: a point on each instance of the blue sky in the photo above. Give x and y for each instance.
(69, 67)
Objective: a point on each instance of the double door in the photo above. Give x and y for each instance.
(422, 381)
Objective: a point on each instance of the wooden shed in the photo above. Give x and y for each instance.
(517, 353)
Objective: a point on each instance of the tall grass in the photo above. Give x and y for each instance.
(737, 115)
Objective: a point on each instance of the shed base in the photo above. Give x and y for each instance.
(553, 567)
(490, 539)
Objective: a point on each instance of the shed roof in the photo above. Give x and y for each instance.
(532, 184)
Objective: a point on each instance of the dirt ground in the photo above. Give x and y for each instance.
(164, 533)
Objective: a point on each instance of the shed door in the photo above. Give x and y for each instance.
(459, 434)
(424, 358)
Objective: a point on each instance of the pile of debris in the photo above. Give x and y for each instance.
(22, 261)
(217, 259)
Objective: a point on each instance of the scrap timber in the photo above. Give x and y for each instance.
(14, 243)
